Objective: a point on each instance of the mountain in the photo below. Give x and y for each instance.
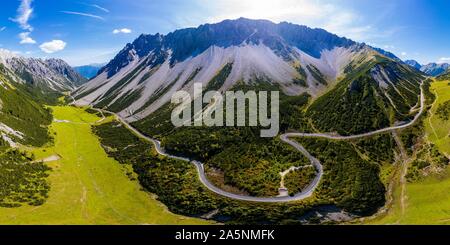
(24, 121)
(23, 118)
(88, 71)
(414, 64)
(262, 48)
(434, 69)
(444, 76)
(327, 83)
(373, 95)
(141, 79)
(387, 54)
(51, 75)
(431, 69)
(62, 68)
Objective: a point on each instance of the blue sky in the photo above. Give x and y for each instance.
(92, 31)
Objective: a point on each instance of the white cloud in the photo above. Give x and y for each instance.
(404, 53)
(24, 13)
(84, 14)
(100, 7)
(444, 60)
(53, 46)
(123, 30)
(2, 28)
(25, 38)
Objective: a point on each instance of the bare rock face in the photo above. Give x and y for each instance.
(50, 75)
(434, 69)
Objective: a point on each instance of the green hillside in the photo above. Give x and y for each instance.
(23, 121)
(444, 77)
(22, 112)
(422, 198)
(85, 185)
(359, 104)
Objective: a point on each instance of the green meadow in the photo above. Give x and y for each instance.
(438, 130)
(426, 201)
(88, 187)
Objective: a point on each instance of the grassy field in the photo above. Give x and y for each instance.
(426, 201)
(87, 187)
(438, 131)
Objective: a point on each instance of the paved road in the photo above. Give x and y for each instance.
(204, 180)
(380, 131)
(307, 192)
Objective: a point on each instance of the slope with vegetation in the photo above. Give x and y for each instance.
(438, 124)
(251, 164)
(247, 162)
(352, 171)
(86, 187)
(21, 111)
(23, 121)
(367, 99)
(177, 185)
(423, 197)
(23, 182)
(444, 76)
(326, 84)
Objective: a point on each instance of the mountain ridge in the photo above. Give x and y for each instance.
(435, 69)
(89, 71)
(431, 69)
(444, 76)
(53, 75)
(192, 41)
(142, 77)
(414, 64)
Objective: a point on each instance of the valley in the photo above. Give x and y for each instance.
(307, 192)
(424, 200)
(363, 136)
(438, 129)
(87, 187)
(357, 93)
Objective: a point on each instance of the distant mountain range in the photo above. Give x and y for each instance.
(444, 76)
(49, 75)
(432, 69)
(414, 64)
(89, 71)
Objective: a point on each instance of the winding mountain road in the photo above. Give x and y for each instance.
(380, 131)
(308, 191)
